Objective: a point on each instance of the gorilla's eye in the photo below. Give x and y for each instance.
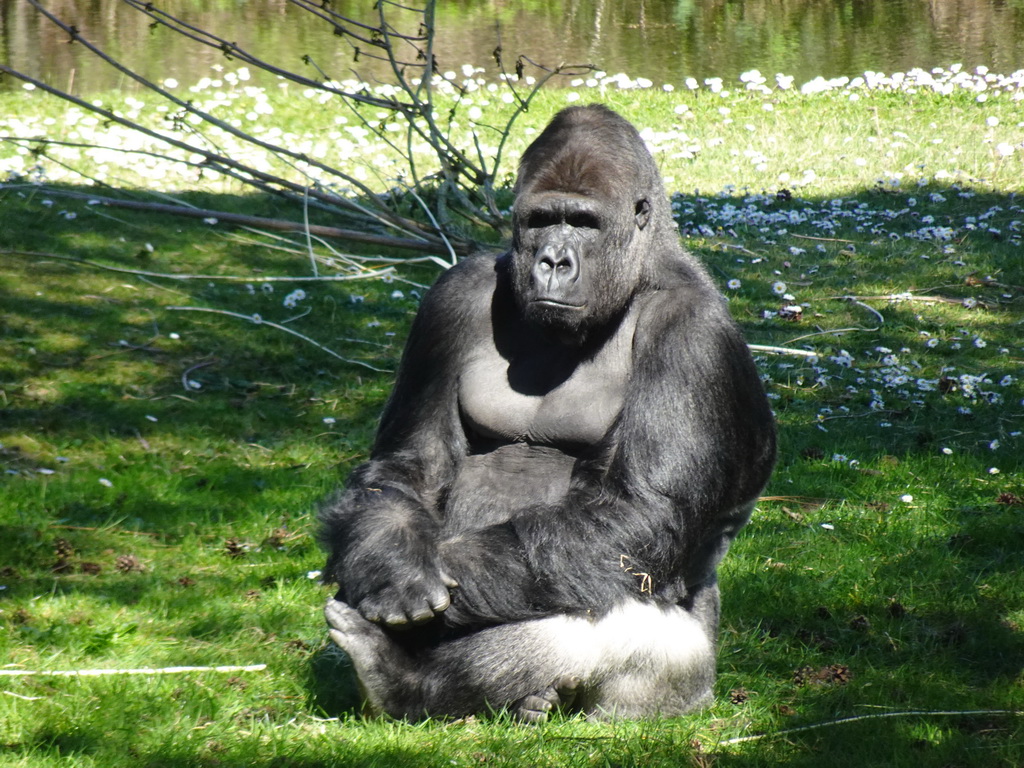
(543, 219)
(582, 220)
(574, 219)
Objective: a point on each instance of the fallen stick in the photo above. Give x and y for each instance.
(875, 716)
(767, 349)
(142, 671)
(429, 244)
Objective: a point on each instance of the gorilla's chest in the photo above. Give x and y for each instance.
(545, 393)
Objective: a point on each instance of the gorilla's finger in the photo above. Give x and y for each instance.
(420, 615)
(396, 620)
(439, 601)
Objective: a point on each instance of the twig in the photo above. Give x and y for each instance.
(260, 321)
(309, 239)
(877, 716)
(823, 239)
(278, 224)
(900, 297)
(185, 382)
(855, 300)
(831, 332)
(23, 698)
(781, 351)
(230, 278)
(141, 671)
(740, 248)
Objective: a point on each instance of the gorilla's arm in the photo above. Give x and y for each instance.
(655, 511)
(381, 531)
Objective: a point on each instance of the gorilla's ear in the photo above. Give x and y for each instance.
(643, 213)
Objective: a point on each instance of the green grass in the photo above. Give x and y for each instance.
(148, 522)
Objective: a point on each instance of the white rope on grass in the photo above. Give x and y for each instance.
(874, 716)
(141, 671)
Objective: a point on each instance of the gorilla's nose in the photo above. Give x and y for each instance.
(556, 269)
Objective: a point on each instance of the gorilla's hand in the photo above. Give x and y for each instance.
(400, 594)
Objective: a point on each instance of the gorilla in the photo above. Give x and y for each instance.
(576, 434)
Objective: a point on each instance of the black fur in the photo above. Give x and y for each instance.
(577, 431)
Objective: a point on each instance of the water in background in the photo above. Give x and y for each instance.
(665, 41)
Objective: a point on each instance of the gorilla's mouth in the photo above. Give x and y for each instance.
(554, 304)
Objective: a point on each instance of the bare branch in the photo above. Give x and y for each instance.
(142, 671)
(876, 716)
(363, 275)
(257, 320)
(462, 186)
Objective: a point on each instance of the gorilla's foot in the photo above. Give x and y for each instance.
(536, 707)
(382, 668)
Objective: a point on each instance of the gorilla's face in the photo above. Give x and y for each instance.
(575, 266)
(579, 224)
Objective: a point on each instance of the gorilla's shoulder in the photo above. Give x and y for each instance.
(684, 294)
(470, 277)
(462, 293)
(679, 273)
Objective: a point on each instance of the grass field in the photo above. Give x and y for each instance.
(161, 466)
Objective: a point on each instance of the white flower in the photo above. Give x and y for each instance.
(293, 298)
(778, 287)
(734, 284)
(329, 420)
(106, 483)
(844, 359)
(907, 498)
